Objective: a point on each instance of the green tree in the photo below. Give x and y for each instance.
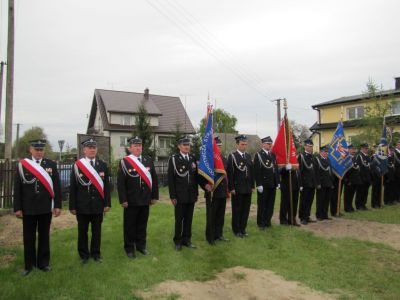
(372, 122)
(300, 133)
(144, 130)
(23, 143)
(196, 144)
(223, 122)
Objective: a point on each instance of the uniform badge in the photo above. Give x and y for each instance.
(183, 167)
(101, 174)
(130, 170)
(180, 170)
(80, 174)
(241, 163)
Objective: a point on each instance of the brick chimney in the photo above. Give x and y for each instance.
(146, 94)
(397, 83)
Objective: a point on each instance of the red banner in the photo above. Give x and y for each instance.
(284, 147)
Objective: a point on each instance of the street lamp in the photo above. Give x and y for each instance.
(61, 145)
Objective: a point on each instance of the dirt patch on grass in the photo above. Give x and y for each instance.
(235, 283)
(6, 260)
(363, 230)
(11, 228)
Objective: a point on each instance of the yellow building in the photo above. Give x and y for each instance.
(353, 109)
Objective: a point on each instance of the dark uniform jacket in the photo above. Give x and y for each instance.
(365, 172)
(296, 179)
(86, 200)
(307, 170)
(390, 175)
(183, 179)
(396, 159)
(132, 188)
(323, 172)
(33, 198)
(353, 176)
(266, 170)
(240, 173)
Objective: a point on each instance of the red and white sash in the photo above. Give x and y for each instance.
(140, 168)
(91, 174)
(40, 173)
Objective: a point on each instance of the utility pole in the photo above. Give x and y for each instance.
(17, 142)
(278, 112)
(1, 84)
(10, 82)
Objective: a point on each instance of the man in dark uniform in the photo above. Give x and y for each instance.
(137, 189)
(215, 207)
(241, 185)
(288, 173)
(183, 192)
(37, 194)
(324, 183)
(396, 157)
(390, 182)
(307, 171)
(378, 172)
(352, 180)
(88, 201)
(363, 160)
(267, 181)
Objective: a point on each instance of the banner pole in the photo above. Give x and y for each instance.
(338, 196)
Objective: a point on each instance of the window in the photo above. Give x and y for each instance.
(396, 108)
(126, 120)
(164, 142)
(123, 141)
(356, 112)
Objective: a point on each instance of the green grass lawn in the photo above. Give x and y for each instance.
(388, 214)
(347, 267)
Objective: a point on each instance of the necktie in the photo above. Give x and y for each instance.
(243, 156)
(91, 163)
(187, 158)
(38, 162)
(139, 159)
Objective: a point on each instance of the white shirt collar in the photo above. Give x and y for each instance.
(93, 159)
(40, 160)
(239, 152)
(185, 155)
(267, 151)
(307, 152)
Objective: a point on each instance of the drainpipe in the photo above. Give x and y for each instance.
(319, 122)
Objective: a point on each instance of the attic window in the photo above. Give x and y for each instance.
(356, 112)
(396, 108)
(126, 120)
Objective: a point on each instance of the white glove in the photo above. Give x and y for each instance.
(288, 167)
(278, 186)
(260, 189)
(301, 189)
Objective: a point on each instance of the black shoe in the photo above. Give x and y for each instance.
(143, 251)
(223, 239)
(97, 259)
(84, 261)
(318, 219)
(211, 243)
(45, 269)
(131, 255)
(26, 272)
(190, 245)
(178, 247)
(284, 222)
(303, 222)
(269, 224)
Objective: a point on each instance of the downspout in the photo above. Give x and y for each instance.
(319, 123)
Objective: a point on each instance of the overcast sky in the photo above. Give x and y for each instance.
(243, 53)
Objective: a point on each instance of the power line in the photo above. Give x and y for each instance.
(199, 41)
(209, 35)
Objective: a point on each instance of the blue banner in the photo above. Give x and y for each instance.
(379, 162)
(206, 163)
(338, 152)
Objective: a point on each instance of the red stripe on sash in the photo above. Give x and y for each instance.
(139, 170)
(39, 176)
(91, 177)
